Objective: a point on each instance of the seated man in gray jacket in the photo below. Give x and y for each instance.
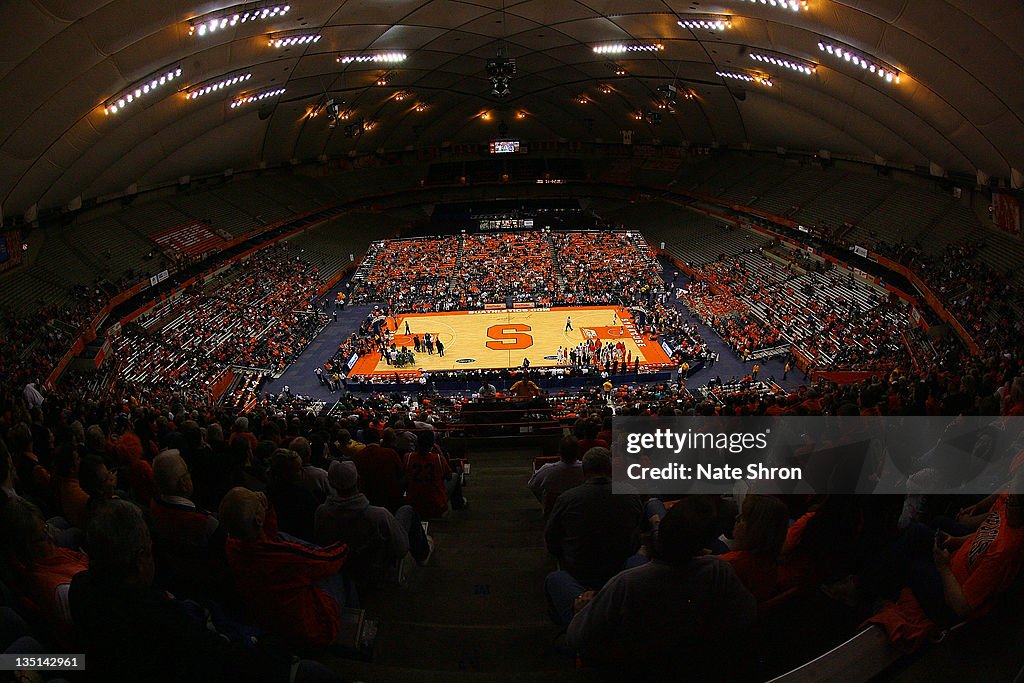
(682, 615)
(376, 538)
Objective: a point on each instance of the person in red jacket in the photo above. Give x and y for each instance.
(430, 482)
(135, 473)
(293, 590)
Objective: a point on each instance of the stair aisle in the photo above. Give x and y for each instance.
(477, 612)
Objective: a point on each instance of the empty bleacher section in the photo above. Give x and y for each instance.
(753, 185)
(848, 201)
(618, 171)
(354, 184)
(296, 193)
(108, 247)
(715, 177)
(1004, 252)
(899, 218)
(497, 169)
(656, 172)
(210, 208)
(264, 208)
(786, 198)
(62, 266)
(329, 246)
(146, 218)
(690, 236)
(25, 292)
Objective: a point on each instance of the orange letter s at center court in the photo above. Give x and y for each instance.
(509, 337)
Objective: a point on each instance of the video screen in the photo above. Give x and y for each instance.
(504, 146)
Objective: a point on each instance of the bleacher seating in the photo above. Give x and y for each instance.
(263, 208)
(847, 201)
(898, 218)
(296, 193)
(328, 246)
(219, 214)
(148, 217)
(719, 178)
(110, 247)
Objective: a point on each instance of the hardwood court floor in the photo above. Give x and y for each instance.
(502, 339)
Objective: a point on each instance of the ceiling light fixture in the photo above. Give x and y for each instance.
(231, 17)
(749, 78)
(375, 58)
(786, 62)
(883, 71)
(256, 97)
(792, 5)
(384, 78)
(421, 106)
(288, 41)
(623, 48)
(219, 85)
(140, 89)
(710, 22)
(582, 99)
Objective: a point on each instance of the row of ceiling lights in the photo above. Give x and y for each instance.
(226, 19)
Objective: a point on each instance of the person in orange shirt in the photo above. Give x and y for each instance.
(953, 578)
(72, 501)
(39, 570)
(976, 567)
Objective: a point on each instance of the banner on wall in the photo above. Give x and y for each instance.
(158, 278)
(1006, 212)
(860, 251)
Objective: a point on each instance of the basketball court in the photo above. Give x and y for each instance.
(490, 339)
